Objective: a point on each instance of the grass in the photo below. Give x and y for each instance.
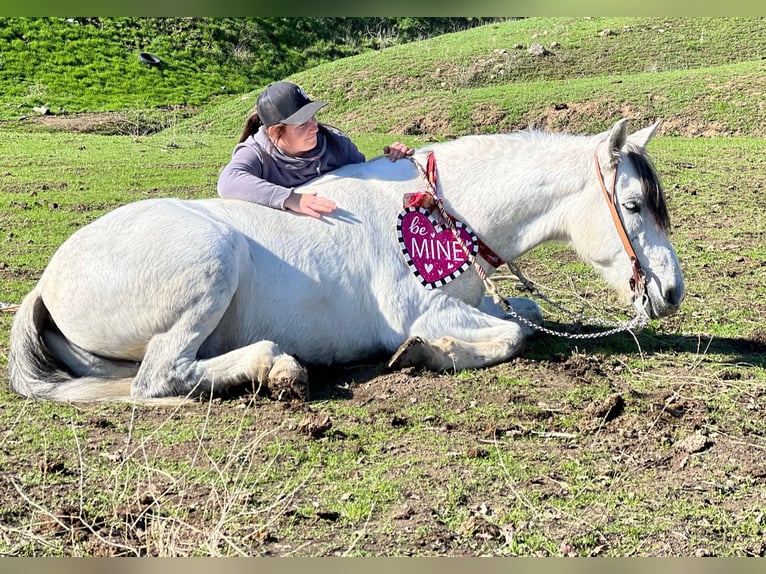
(75, 65)
(680, 98)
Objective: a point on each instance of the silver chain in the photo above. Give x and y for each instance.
(637, 323)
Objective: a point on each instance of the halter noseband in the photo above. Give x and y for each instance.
(637, 282)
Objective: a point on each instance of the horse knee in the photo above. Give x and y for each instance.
(527, 309)
(527, 315)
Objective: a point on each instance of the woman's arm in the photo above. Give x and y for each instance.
(242, 179)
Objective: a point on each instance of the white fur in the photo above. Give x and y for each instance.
(198, 296)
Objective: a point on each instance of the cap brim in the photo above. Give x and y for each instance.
(304, 114)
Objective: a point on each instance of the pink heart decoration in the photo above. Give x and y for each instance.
(432, 251)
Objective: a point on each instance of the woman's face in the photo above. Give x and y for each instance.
(299, 139)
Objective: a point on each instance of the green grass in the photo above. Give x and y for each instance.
(75, 65)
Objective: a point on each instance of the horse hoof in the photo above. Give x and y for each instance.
(411, 353)
(288, 380)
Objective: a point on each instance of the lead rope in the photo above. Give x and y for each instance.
(637, 323)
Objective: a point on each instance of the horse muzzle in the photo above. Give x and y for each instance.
(658, 300)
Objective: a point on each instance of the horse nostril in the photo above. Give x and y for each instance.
(674, 296)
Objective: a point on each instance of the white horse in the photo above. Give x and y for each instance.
(166, 297)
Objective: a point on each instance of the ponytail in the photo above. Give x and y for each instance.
(252, 123)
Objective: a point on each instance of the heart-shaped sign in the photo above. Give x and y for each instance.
(432, 251)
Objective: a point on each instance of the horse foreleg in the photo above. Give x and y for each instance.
(261, 364)
(478, 337)
(451, 354)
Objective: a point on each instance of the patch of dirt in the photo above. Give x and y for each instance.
(574, 117)
(135, 123)
(106, 122)
(656, 447)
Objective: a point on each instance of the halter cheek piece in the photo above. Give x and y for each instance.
(638, 281)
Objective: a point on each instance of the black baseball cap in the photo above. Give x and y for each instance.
(285, 103)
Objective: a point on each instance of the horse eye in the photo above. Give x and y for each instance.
(632, 206)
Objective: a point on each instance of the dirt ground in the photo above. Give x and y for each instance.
(645, 453)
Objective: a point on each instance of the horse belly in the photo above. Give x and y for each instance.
(319, 322)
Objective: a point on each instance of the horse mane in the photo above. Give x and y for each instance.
(650, 185)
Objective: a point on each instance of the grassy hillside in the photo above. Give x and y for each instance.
(73, 65)
(696, 74)
(700, 75)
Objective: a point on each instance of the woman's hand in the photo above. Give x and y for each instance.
(397, 151)
(309, 204)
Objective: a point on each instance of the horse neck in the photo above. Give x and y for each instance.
(517, 192)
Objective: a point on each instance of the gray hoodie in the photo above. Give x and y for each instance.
(260, 172)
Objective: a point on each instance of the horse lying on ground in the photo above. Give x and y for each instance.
(166, 297)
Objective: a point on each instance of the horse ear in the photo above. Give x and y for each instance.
(615, 139)
(641, 138)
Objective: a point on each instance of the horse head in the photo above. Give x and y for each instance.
(635, 255)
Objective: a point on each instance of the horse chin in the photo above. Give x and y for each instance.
(643, 306)
(651, 305)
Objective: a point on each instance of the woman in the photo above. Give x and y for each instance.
(284, 146)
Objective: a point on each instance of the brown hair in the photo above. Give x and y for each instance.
(253, 123)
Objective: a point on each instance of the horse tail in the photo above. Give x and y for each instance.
(34, 371)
